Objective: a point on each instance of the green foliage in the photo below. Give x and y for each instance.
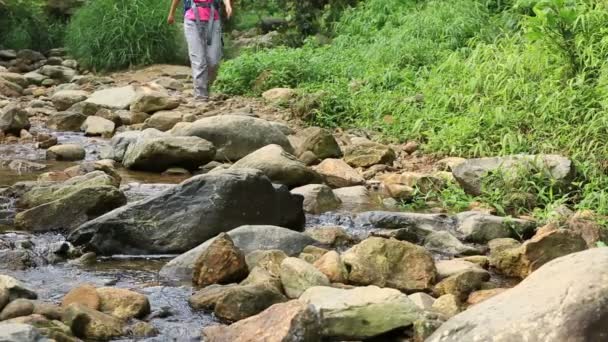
(466, 77)
(25, 25)
(111, 34)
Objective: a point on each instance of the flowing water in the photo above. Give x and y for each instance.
(171, 313)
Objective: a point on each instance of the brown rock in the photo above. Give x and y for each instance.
(587, 225)
(448, 305)
(89, 324)
(462, 284)
(331, 236)
(543, 248)
(85, 294)
(293, 321)
(477, 297)
(338, 174)
(332, 266)
(270, 260)
(123, 303)
(222, 262)
(17, 308)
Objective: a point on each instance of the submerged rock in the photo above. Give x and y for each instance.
(190, 213)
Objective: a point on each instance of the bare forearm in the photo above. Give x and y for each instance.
(174, 4)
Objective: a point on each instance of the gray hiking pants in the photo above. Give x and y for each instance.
(204, 59)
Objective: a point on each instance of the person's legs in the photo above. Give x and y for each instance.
(214, 52)
(198, 50)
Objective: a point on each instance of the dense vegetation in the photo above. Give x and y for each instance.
(465, 77)
(26, 24)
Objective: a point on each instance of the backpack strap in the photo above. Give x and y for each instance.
(211, 20)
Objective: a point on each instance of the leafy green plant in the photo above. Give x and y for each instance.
(24, 24)
(110, 34)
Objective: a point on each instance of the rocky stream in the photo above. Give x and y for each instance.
(130, 212)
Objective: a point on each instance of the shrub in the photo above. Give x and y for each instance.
(25, 25)
(113, 34)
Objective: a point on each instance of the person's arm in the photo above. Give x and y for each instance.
(171, 17)
(228, 6)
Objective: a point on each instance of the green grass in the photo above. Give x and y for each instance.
(25, 25)
(110, 34)
(467, 78)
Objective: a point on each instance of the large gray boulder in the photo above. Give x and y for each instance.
(121, 141)
(184, 216)
(114, 98)
(280, 166)
(247, 239)
(18, 332)
(479, 227)
(470, 173)
(158, 154)
(396, 220)
(564, 300)
(235, 136)
(13, 119)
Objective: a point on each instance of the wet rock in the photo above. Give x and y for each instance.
(354, 198)
(150, 101)
(338, 174)
(390, 263)
(235, 136)
(48, 310)
(395, 220)
(163, 120)
(292, 321)
(477, 297)
(248, 239)
(221, 263)
(247, 300)
(561, 301)
(446, 268)
(158, 154)
(332, 266)
(480, 227)
(95, 125)
(332, 236)
(40, 193)
(64, 99)
(277, 95)
(361, 312)
(17, 308)
(10, 89)
(422, 300)
(113, 98)
(58, 72)
(121, 142)
(236, 302)
(21, 166)
(462, 284)
(278, 165)
(269, 260)
(66, 121)
(318, 141)
(18, 332)
(68, 152)
(15, 288)
(297, 275)
(141, 330)
(448, 305)
(13, 119)
(122, 303)
(190, 213)
(469, 173)
(87, 323)
(446, 243)
(318, 198)
(365, 153)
